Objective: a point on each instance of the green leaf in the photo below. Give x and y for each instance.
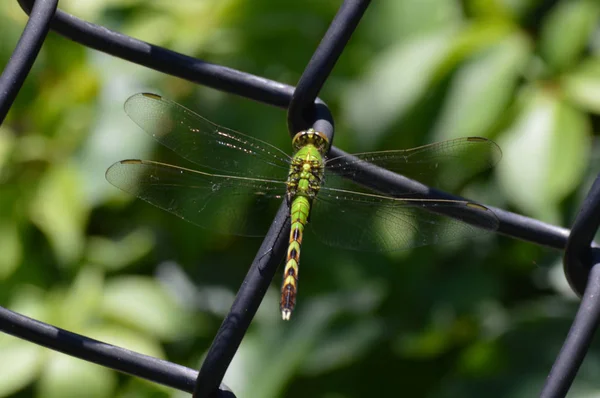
(7, 143)
(342, 347)
(284, 360)
(142, 303)
(65, 377)
(113, 137)
(81, 301)
(502, 8)
(267, 362)
(474, 38)
(517, 7)
(32, 302)
(60, 211)
(395, 82)
(135, 387)
(20, 364)
(115, 255)
(425, 344)
(482, 89)
(396, 20)
(567, 31)
(545, 154)
(582, 86)
(12, 249)
(481, 358)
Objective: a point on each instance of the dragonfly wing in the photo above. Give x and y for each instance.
(444, 164)
(203, 142)
(216, 202)
(367, 222)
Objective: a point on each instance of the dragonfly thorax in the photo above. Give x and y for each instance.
(307, 167)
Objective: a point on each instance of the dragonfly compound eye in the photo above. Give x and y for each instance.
(311, 137)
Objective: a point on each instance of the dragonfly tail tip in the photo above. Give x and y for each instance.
(285, 314)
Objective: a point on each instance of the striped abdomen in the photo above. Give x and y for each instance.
(299, 216)
(304, 181)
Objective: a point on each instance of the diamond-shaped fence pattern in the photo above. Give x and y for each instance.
(305, 110)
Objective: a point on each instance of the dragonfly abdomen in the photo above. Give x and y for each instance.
(299, 215)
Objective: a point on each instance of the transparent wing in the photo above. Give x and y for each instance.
(367, 222)
(203, 142)
(444, 164)
(211, 201)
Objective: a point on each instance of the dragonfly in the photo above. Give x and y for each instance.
(237, 178)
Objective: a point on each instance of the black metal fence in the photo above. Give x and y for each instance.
(304, 110)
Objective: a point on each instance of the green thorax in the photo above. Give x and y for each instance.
(307, 168)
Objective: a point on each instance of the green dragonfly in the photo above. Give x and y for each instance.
(236, 168)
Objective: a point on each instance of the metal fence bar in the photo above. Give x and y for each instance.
(263, 268)
(249, 296)
(108, 355)
(578, 340)
(322, 62)
(577, 260)
(585, 281)
(170, 62)
(25, 53)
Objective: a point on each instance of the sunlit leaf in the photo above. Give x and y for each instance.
(142, 303)
(68, 377)
(394, 82)
(114, 136)
(114, 255)
(12, 248)
(475, 38)
(481, 90)
(60, 211)
(175, 24)
(63, 106)
(583, 85)
(82, 300)
(30, 301)
(7, 143)
(567, 30)
(20, 365)
(397, 20)
(544, 154)
(88, 10)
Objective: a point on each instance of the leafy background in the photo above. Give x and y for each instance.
(469, 319)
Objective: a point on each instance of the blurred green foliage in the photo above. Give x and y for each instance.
(483, 318)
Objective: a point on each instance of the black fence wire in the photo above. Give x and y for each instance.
(304, 110)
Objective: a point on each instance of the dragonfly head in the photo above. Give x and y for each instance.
(311, 137)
